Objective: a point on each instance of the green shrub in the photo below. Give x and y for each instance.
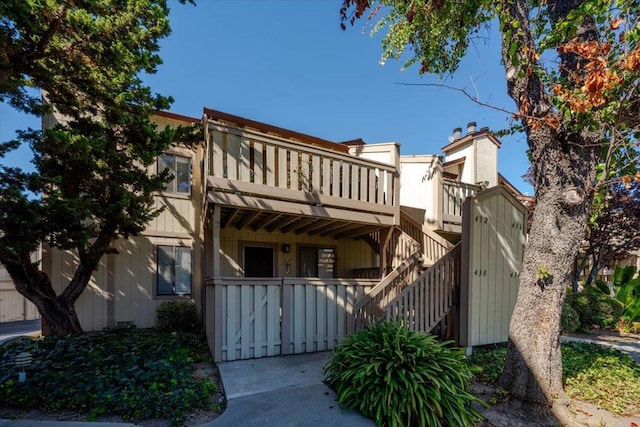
(595, 308)
(179, 316)
(570, 321)
(487, 362)
(135, 373)
(628, 291)
(602, 286)
(400, 378)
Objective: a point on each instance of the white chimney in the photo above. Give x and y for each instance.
(457, 133)
(471, 127)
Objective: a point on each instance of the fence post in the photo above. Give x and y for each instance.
(287, 310)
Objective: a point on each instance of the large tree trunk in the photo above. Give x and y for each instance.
(57, 311)
(564, 163)
(533, 369)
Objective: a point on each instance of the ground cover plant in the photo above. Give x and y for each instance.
(592, 373)
(135, 373)
(399, 377)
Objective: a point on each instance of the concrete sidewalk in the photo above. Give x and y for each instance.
(12, 330)
(32, 423)
(282, 391)
(629, 343)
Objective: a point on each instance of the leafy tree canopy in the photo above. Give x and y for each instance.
(572, 68)
(91, 183)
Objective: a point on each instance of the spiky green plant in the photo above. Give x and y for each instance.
(399, 377)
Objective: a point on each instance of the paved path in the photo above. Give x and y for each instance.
(282, 391)
(629, 343)
(11, 330)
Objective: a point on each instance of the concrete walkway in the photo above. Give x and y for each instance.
(12, 330)
(628, 343)
(282, 391)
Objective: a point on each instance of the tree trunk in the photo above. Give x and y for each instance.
(533, 368)
(563, 162)
(57, 311)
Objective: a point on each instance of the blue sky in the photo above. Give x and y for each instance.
(288, 63)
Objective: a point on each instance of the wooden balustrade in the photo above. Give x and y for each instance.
(432, 246)
(371, 307)
(333, 178)
(424, 303)
(453, 195)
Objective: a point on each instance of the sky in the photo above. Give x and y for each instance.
(287, 63)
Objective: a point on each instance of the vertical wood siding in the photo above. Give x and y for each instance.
(495, 229)
(257, 318)
(13, 306)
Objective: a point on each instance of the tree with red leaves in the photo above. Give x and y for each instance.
(573, 71)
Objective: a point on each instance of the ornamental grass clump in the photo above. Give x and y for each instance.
(402, 378)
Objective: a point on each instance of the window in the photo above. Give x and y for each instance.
(317, 262)
(180, 168)
(174, 270)
(258, 261)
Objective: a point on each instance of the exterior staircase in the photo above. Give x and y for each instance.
(467, 290)
(423, 283)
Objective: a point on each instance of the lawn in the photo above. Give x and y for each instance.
(135, 373)
(592, 373)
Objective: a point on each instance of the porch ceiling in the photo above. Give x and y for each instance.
(242, 218)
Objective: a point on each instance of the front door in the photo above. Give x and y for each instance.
(258, 261)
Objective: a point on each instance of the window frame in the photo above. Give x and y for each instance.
(174, 253)
(272, 246)
(173, 186)
(318, 248)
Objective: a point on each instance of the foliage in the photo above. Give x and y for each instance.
(628, 291)
(134, 373)
(487, 362)
(180, 316)
(595, 308)
(614, 229)
(602, 286)
(626, 326)
(571, 68)
(91, 184)
(400, 377)
(602, 375)
(570, 321)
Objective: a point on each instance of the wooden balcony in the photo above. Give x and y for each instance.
(265, 181)
(453, 195)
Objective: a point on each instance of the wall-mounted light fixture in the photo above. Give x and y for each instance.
(287, 267)
(286, 248)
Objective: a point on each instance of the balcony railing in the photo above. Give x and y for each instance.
(270, 166)
(454, 194)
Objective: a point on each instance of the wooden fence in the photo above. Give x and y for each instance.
(254, 318)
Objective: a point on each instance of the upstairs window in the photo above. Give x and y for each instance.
(174, 270)
(180, 168)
